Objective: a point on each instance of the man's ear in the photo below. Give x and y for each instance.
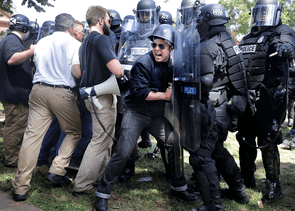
(70, 30)
(100, 20)
(171, 48)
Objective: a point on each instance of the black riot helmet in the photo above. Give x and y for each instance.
(46, 29)
(165, 18)
(19, 23)
(188, 10)
(115, 17)
(34, 30)
(266, 13)
(147, 11)
(211, 15)
(165, 32)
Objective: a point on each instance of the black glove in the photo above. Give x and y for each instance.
(285, 50)
(237, 105)
(234, 125)
(279, 94)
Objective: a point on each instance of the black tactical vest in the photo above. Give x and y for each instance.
(255, 52)
(234, 66)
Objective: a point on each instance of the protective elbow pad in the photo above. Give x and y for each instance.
(237, 105)
(206, 84)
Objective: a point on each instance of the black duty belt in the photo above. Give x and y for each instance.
(54, 86)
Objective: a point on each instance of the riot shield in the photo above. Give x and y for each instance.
(186, 80)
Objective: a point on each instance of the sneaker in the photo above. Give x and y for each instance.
(273, 191)
(101, 204)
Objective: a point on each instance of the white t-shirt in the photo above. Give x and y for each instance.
(53, 59)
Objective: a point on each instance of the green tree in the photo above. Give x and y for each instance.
(38, 5)
(239, 11)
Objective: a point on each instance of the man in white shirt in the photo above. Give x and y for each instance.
(51, 96)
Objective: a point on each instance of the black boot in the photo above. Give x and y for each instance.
(101, 204)
(273, 191)
(238, 192)
(145, 140)
(183, 195)
(126, 174)
(215, 205)
(249, 178)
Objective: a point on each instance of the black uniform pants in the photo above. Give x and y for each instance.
(260, 126)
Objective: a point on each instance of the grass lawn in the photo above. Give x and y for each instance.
(154, 195)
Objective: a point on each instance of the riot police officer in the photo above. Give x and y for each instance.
(33, 35)
(267, 78)
(115, 22)
(222, 63)
(165, 17)
(46, 29)
(115, 28)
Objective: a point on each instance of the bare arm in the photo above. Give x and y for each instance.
(161, 95)
(116, 68)
(76, 70)
(20, 57)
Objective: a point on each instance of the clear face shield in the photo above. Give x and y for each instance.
(185, 15)
(146, 19)
(265, 15)
(128, 25)
(202, 26)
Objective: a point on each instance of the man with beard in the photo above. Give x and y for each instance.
(98, 62)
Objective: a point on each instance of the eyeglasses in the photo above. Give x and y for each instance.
(161, 46)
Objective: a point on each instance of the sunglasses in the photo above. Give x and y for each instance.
(161, 46)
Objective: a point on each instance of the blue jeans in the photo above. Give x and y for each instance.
(132, 125)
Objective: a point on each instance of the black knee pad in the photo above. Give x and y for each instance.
(195, 162)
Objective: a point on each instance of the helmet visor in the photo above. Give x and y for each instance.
(128, 25)
(186, 15)
(264, 15)
(146, 19)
